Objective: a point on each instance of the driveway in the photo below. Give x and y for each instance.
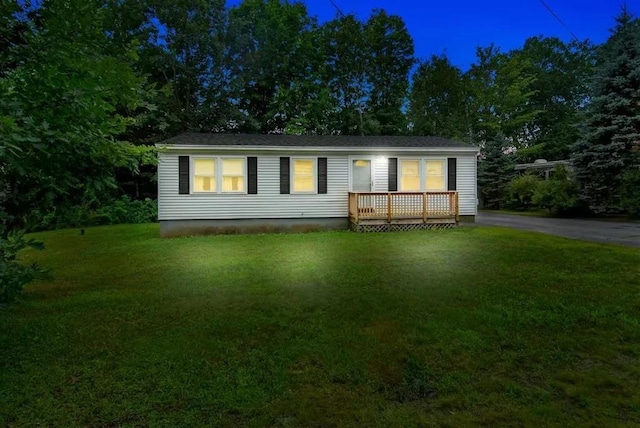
(607, 232)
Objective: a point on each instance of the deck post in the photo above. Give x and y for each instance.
(356, 197)
(424, 207)
(457, 208)
(389, 207)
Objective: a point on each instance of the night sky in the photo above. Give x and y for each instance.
(456, 28)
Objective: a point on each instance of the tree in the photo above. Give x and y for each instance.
(271, 52)
(501, 89)
(495, 171)
(438, 99)
(612, 125)
(59, 121)
(561, 71)
(390, 50)
(346, 63)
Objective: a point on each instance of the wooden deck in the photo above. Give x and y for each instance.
(382, 211)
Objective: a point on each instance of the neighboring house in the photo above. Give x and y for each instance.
(248, 183)
(542, 166)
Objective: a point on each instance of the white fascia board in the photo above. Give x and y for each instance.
(186, 147)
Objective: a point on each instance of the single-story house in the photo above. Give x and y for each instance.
(251, 183)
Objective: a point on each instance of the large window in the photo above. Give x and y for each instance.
(219, 175)
(204, 175)
(435, 175)
(410, 176)
(303, 176)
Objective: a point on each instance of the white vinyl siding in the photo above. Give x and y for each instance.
(269, 203)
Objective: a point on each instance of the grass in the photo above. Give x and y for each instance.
(482, 326)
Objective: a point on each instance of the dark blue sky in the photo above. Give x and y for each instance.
(458, 27)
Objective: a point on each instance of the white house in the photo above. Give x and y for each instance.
(242, 183)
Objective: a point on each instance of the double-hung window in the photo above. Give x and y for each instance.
(232, 175)
(304, 175)
(215, 175)
(410, 175)
(204, 175)
(434, 175)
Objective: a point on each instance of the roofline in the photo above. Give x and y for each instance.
(339, 149)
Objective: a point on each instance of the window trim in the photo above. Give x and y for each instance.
(314, 175)
(192, 174)
(218, 174)
(244, 174)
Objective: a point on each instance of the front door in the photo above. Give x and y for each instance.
(361, 175)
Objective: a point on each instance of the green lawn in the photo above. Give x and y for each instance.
(476, 325)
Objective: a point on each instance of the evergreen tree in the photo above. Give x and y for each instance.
(495, 171)
(612, 126)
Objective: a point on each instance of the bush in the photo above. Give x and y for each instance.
(522, 189)
(13, 274)
(630, 193)
(94, 213)
(124, 210)
(560, 194)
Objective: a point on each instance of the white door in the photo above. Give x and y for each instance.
(361, 175)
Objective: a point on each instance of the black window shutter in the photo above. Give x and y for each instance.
(393, 174)
(183, 175)
(322, 175)
(451, 173)
(252, 183)
(284, 176)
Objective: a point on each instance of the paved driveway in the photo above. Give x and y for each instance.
(588, 230)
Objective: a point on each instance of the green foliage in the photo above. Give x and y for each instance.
(612, 125)
(630, 192)
(559, 194)
(522, 189)
(14, 275)
(438, 100)
(95, 212)
(495, 171)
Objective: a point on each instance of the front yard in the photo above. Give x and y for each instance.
(468, 326)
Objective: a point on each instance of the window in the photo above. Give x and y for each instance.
(410, 176)
(204, 175)
(435, 175)
(232, 175)
(303, 175)
(219, 175)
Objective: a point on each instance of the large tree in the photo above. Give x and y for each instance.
(612, 125)
(438, 99)
(389, 47)
(561, 72)
(59, 118)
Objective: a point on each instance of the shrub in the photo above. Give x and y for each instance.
(94, 213)
(522, 189)
(560, 194)
(124, 210)
(13, 274)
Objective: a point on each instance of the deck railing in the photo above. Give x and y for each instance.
(403, 205)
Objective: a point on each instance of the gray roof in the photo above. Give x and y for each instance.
(279, 140)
